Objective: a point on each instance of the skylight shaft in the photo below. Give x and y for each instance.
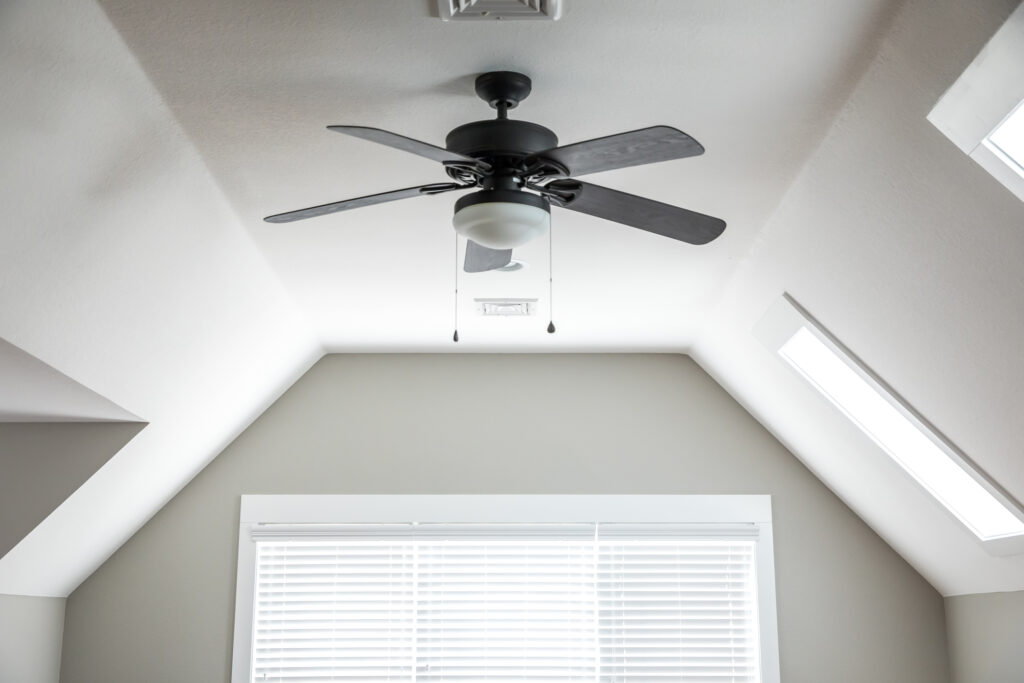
(916, 451)
(1008, 139)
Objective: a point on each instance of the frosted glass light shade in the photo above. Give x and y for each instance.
(501, 225)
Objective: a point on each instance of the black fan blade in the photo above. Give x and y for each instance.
(358, 202)
(637, 147)
(638, 212)
(480, 259)
(423, 149)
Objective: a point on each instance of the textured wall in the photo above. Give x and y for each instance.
(160, 609)
(986, 634)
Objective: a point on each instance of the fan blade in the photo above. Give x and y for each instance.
(638, 212)
(358, 202)
(423, 149)
(480, 259)
(637, 147)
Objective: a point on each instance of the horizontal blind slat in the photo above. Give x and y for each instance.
(521, 604)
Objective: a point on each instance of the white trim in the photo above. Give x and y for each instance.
(245, 616)
(503, 509)
(785, 317)
(767, 616)
(983, 96)
(1017, 165)
(462, 531)
(729, 514)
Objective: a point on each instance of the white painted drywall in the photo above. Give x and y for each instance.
(160, 609)
(910, 254)
(32, 391)
(30, 638)
(253, 84)
(123, 267)
(986, 637)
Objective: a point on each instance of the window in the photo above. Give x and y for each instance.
(925, 455)
(536, 600)
(981, 113)
(1007, 140)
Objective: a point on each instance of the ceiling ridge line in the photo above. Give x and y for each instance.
(211, 178)
(871, 53)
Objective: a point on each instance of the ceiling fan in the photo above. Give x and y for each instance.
(519, 170)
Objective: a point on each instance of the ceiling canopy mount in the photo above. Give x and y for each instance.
(518, 171)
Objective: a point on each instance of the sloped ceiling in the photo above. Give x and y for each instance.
(149, 139)
(253, 85)
(908, 252)
(32, 391)
(122, 267)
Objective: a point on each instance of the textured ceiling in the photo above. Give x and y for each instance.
(168, 130)
(909, 252)
(254, 84)
(32, 391)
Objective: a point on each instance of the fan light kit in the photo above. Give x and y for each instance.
(518, 171)
(500, 219)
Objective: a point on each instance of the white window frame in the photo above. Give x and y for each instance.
(699, 510)
(785, 317)
(982, 97)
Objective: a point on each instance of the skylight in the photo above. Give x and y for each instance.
(1007, 140)
(921, 452)
(982, 112)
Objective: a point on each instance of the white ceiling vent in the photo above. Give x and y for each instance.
(505, 307)
(508, 10)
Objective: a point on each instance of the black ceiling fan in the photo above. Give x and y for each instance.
(519, 171)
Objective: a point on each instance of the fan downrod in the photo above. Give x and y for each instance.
(503, 89)
(501, 142)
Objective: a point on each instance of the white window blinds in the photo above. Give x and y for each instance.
(502, 602)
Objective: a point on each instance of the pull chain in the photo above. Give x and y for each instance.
(455, 337)
(551, 287)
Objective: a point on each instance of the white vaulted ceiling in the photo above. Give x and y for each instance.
(254, 84)
(150, 138)
(32, 391)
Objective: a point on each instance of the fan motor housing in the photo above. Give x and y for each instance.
(500, 137)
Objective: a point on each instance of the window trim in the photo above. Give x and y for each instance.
(781, 322)
(1017, 165)
(984, 95)
(705, 510)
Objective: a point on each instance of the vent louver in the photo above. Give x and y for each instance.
(506, 307)
(508, 10)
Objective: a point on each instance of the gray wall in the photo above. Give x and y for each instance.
(160, 609)
(42, 463)
(30, 637)
(986, 637)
